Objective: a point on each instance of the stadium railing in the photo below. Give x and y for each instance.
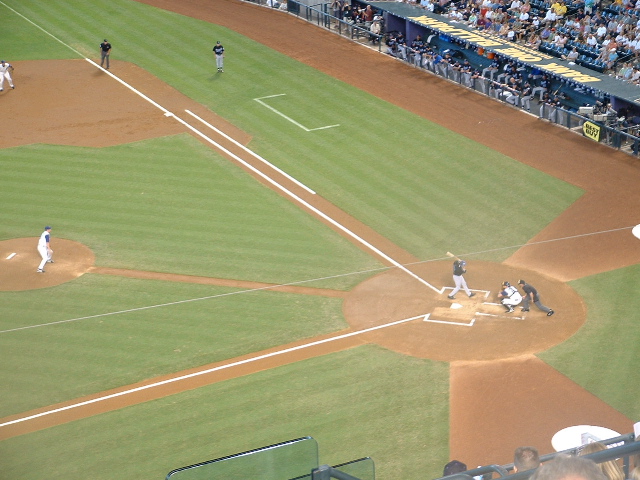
(628, 448)
(613, 134)
(295, 459)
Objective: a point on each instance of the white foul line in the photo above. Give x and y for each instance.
(167, 113)
(259, 100)
(251, 152)
(204, 372)
(273, 182)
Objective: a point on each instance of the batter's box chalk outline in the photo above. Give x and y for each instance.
(509, 316)
(448, 322)
(482, 293)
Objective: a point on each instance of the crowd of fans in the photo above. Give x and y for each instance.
(605, 35)
(560, 467)
(600, 34)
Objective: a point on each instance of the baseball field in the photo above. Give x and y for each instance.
(248, 257)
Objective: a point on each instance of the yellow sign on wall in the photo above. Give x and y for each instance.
(591, 130)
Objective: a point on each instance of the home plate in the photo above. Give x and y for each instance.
(455, 306)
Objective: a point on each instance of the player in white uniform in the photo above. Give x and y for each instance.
(510, 296)
(5, 73)
(44, 248)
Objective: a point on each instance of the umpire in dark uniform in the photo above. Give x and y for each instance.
(531, 294)
(105, 51)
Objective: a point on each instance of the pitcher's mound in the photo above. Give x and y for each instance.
(18, 272)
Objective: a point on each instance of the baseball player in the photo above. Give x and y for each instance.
(458, 271)
(510, 297)
(531, 294)
(105, 51)
(44, 248)
(5, 73)
(218, 50)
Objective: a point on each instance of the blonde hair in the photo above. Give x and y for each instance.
(610, 468)
(635, 473)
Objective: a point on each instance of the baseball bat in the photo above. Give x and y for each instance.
(449, 254)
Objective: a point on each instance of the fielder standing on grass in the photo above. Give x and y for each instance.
(531, 295)
(44, 248)
(218, 50)
(105, 51)
(459, 269)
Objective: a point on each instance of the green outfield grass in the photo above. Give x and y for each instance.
(603, 356)
(338, 399)
(173, 205)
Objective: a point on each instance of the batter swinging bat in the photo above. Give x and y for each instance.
(449, 254)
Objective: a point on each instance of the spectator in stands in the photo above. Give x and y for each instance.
(375, 29)
(368, 15)
(610, 468)
(453, 467)
(336, 8)
(550, 17)
(526, 458)
(572, 56)
(534, 41)
(565, 467)
(559, 8)
(625, 72)
(612, 58)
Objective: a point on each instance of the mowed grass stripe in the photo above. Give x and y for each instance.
(604, 357)
(179, 213)
(370, 123)
(320, 397)
(51, 364)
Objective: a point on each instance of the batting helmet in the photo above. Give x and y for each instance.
(506, 284)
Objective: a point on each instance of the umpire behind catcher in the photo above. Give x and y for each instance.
(531, 294)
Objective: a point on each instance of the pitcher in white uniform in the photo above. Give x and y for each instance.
(5, 74)
(44, 248)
